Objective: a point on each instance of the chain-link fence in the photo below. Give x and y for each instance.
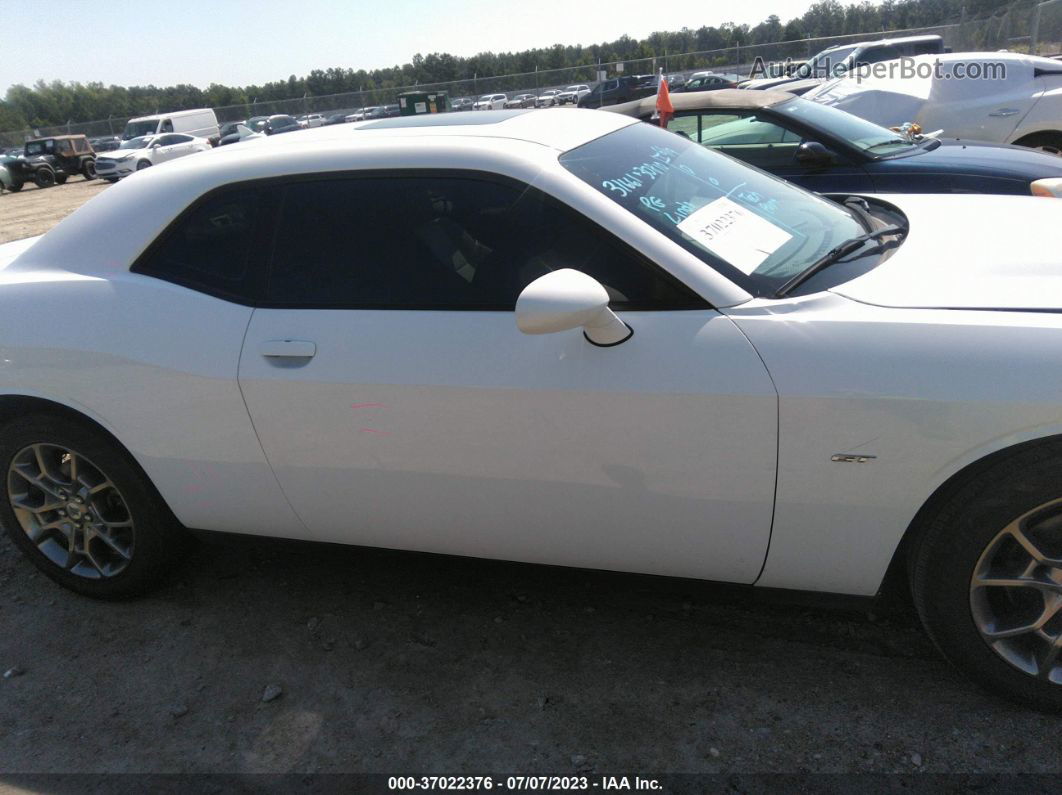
(1036, 29)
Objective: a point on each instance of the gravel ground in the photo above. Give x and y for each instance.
(33, 211)
(267, 656)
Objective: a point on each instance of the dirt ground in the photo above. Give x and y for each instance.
(403, 664)
(33, 211)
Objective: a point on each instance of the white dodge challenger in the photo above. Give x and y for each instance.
(582, 341)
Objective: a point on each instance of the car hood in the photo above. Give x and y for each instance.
(979, 157)
(970, 252)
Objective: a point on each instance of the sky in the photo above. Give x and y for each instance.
(243, 42)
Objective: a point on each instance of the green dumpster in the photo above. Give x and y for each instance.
(413, 103)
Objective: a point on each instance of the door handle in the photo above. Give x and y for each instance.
(1004, 112)
(289, 349)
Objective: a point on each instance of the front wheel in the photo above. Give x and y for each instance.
(143, 164)
(80, 508)
(987, 576)
(44, 177)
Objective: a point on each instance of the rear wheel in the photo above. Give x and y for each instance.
(987, 577)
(81, 510)
(44, 177)
(1050, 142)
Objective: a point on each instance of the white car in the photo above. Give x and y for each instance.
(582, 341)
(311, 120)
(572, 94)
(137, 154)
(547, 98)
(1015, 99)
(490, 102)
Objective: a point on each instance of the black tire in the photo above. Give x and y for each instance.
(157, 538)
(15, 187)
(1047, 141)
(88, 170)
(44, 177)
(143, 164)
(966, 526)
(60, 179)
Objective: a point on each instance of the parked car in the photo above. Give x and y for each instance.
(1017, 99)
(257, 123)
(106, 143)
(842, 58)
(618, 90)
(6, 180)
(572, 94)
(744, 381)
(521, 101)
(390, 111)
(548, 98)
(490, 102)
(827, 150)
(279, 123)
(705, 82)
(310, 120)
(373, 112)
(51, 161)
(336, 118)
(238, 132)
(462, 103)
(137, 154)
(676, 80)
(199, 123)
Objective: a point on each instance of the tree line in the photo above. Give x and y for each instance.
(55, 103)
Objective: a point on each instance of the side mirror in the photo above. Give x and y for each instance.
(568, 299)
(813, 154)
(156, 145)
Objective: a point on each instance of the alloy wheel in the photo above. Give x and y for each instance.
(71, 510)
(1016, 593)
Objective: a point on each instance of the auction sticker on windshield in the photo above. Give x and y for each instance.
(732, 232)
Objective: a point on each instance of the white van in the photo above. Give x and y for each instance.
(201, 123)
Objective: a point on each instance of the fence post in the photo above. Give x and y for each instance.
(1034, 33)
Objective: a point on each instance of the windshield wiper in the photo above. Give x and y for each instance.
(835, 254)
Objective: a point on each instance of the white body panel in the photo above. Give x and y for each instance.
(452, 431)
(1005, 107)
(202, 122)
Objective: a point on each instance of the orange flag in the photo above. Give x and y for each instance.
(663, 102)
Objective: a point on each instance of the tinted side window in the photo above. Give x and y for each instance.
(214, 247)
(443, 243)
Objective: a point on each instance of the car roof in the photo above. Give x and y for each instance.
(521, 144)
(732, 98)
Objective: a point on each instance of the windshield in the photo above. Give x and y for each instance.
(135, 129)
(860, 133)
(823, 64)
(755, 229)
(135, 143)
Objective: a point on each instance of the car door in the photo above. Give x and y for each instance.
(400, 406)
(984, 108)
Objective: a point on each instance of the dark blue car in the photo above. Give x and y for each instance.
(828, 150)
